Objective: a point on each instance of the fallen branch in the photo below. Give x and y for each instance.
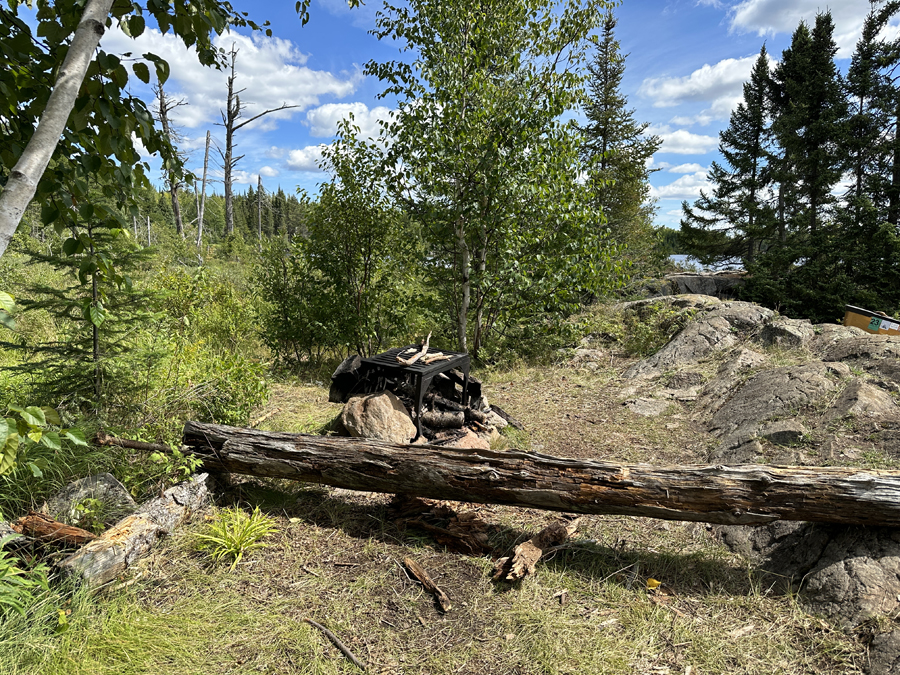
(437, 356)
(103, 439)
(746, 494)
(419, 573)
(255, 423)
(39, 526)
(337, 643)
(512, 421)
(526, 555)
(418, 355)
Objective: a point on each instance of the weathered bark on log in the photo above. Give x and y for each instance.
(730, 495)
(132, 537)
(39, 526)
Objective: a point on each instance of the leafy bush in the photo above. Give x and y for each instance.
(28, 428)
(233, 533)
(19, 588)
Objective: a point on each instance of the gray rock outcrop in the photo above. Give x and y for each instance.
(848, 574)
(714, 330)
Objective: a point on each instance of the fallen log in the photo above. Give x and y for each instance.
(731, 495)
(107, 556)
(44, 528)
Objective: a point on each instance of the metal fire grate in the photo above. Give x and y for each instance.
(385, 365)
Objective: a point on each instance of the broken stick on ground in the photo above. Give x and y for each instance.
(337, 643)
(39, 526)
(419, 573)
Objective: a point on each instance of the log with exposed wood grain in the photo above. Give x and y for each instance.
(110, 554)
(44, 528)
(746, 494)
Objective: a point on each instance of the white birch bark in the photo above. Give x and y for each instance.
(23, 179)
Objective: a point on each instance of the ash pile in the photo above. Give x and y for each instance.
(384, 408)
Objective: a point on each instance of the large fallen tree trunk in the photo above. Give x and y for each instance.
(747, 494)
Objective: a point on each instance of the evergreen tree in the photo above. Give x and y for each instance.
(619, 149)
(809, 110)
(873, 150)
(735, 221)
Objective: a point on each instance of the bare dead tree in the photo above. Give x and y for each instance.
(259, 200)
(201, 206)
(230, 117)
(164, 107)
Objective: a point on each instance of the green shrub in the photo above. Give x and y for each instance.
(19, 588)
(233, 533)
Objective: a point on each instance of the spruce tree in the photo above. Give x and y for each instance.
(810, 110)
(619, 149)
(733, 222)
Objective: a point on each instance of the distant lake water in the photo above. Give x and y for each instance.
(688, 261)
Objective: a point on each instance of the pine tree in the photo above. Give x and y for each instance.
(619, 149)
(736, 220)
(809, 112)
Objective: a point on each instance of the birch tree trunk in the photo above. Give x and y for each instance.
(462, 318)
(24, 178)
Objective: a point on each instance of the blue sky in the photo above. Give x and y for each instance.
(687, 61)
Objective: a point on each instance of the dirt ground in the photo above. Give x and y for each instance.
(625, 595)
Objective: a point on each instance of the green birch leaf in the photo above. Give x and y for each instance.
(34, 416)
(51, 415)
(75, 435)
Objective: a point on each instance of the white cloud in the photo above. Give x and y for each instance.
(306, 159)
(361, 17)
(264, 67)
(682, 142)
(675, 213)
(275, 152)
(687, 168)
(268, 172)
(721, 85)
(686, 187)
(323, 120)
(768, 17)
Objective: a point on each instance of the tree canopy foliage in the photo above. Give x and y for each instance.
(483, 161)
(775, 206)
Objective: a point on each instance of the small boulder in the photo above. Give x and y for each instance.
(381, 416)
(114, 500)
(462, 439)
(345, 380)
(647, 407)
